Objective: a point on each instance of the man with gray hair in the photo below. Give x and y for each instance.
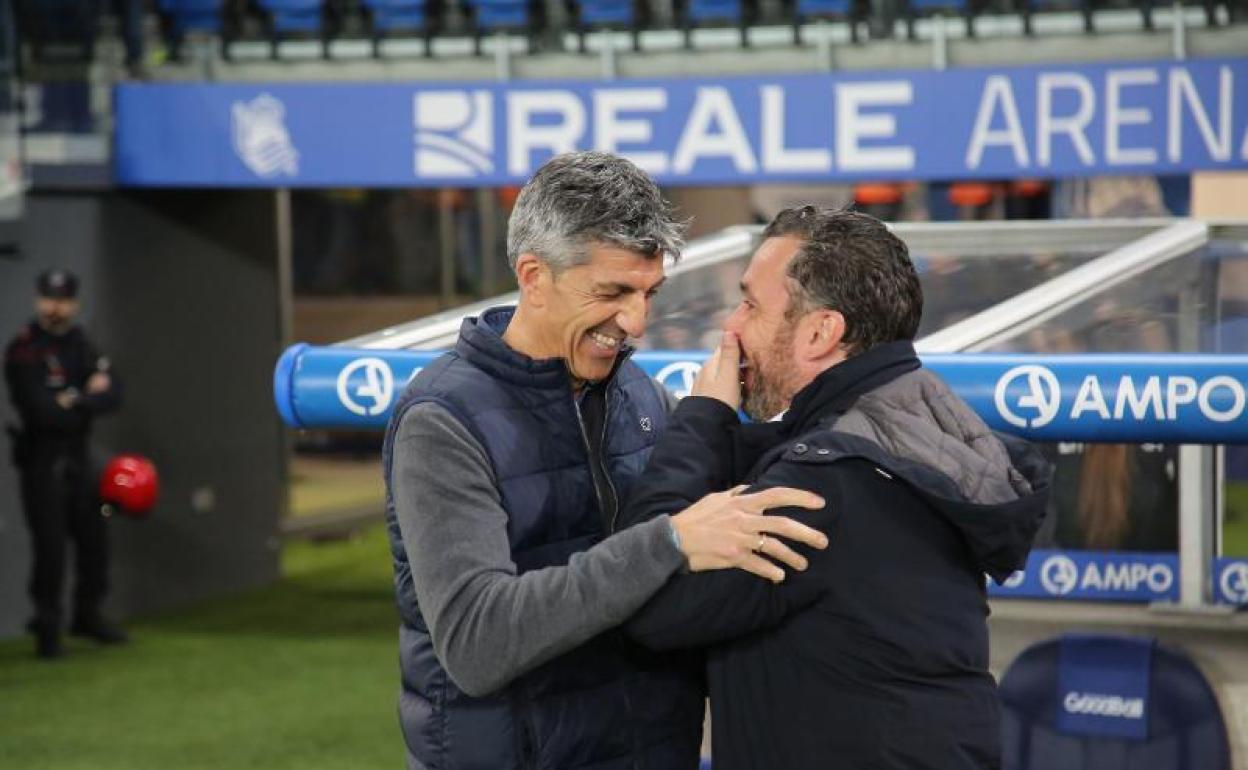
(507, 461)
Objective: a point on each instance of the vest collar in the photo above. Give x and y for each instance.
(481, 344)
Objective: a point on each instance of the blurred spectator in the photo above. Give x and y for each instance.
(130, 18)
(1112, 497)
(1122, 196)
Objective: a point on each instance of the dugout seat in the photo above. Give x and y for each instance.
(1053, 718)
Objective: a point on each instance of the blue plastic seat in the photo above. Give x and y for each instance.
(917, 8)
(398, 15)
(627, 15)
(503, 15)
(286, 16)
(715, 10)
(848, 11)
(824, 7)
(602, 13)
(1062, 713)
(733, 12)
(391, 17)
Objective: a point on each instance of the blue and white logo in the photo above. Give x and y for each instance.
(1234, 583)
(454, 133)
(377, 387)
(1015, 580)
(261, 139)
(1041, 401)
(679, 377)
(1059, 575)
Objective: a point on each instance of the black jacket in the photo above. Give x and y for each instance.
(877, 655)
(38, 366)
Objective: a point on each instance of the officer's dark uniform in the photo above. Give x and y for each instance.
(57, 486)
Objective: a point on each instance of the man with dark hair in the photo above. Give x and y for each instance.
(59, 383)
(877, 655)
(507, 461)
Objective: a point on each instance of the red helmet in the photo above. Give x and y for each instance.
(129, 484)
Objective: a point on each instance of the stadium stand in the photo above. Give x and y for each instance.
(288, 18)
(397, 17)
(881, 200)
(629, 15)
(696, 13)
(919, 8)
(849, 11)
(1028, 8)
(55, 26)
(492, 16)
(972, 200)
(180, 17)
(63, 24)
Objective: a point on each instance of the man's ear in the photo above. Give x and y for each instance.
(532, 276)
(824, 332)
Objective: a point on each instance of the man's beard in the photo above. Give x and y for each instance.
(55, 324)
(770, 391)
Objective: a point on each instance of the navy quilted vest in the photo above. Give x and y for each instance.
(608, 704)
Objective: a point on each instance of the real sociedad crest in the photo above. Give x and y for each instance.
(261, 138)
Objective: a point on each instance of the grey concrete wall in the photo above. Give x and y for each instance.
(180, 290)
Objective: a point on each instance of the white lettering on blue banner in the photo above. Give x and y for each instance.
(1111, 575)
(1052, 120)
(1230, 581)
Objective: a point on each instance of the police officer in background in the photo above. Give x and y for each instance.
(58, 384)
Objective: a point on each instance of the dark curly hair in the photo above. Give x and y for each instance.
(851, 263)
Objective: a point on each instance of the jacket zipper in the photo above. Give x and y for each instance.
(589, 455)
(602, 465)
(597, 467)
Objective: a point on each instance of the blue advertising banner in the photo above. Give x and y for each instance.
(1230, 581)
(1054, 120)
(1164, 398)
(1106, 576)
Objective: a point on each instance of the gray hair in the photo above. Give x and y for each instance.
(582, 198)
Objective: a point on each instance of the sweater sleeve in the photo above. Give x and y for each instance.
(488, 623)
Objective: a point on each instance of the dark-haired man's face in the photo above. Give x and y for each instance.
(770, 376)
(55, 314)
